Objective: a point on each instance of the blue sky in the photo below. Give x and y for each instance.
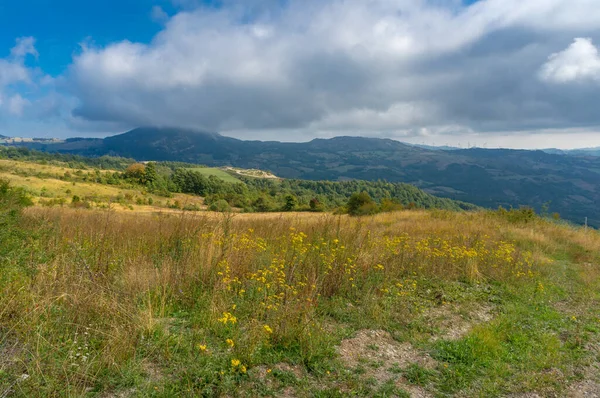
(59, 26)
(508, 73)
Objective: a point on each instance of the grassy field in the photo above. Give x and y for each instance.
(46, 185)
(427, 304)
(212, 171)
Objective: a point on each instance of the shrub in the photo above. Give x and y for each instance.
(361, 204)
(262, 204)
(315, 205)
(220, 205)
(191, 207)
(136, 172)
(290, 203)
(388, 205)
(524, 214)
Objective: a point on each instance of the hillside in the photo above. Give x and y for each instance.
(570, 185)
(576, 152)
(411, 303)
(59, 180)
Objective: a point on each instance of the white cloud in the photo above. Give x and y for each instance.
(25, 46)
(158, 14)
(16, 104)
(386, 65)
(579, 62)
(13, 71)
(12, 68)
(304, 68)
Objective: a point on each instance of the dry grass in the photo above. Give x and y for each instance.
(44, 184)
(109, 287)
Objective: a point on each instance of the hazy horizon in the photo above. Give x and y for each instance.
(475, 142)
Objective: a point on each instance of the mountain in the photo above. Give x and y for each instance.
(485, 177)
(577, 152)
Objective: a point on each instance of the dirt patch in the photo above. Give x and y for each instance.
(131, 392)
(584, 389)
(153, 372)
(455, 322)
(381, 358)
(590, 386)
(296, 370)
(264, 375)
(9, 355)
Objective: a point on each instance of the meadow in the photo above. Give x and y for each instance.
(213, 171)
(95, 302)
(59, 183)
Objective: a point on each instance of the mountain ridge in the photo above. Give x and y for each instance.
(485, 177)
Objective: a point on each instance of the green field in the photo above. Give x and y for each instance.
(212, 171)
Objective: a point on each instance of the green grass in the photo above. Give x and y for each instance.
(213, 171)
(104, 304)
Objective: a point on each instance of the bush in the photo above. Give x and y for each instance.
(389, 205)
(220, 205)
(290, 203)
(524, 214)
(12, 201)
(191, 207)
(315, 205)
(262, 204)
(136, 172)
(361, 204)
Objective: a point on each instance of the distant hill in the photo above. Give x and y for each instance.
(577, 152)
(485, 177)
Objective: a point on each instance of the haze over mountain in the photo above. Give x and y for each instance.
(570, 185)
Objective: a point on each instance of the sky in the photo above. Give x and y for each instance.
(488, 73)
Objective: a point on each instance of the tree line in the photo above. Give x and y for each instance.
(250, 194)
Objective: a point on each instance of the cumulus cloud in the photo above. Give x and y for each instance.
(12, 68)
(13, 71)
(25, 46)
(391, 66)
(579, 62)
(298, 69)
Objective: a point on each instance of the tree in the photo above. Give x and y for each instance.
(361, 204)
(150, 173)
(315, 205)
(262, 204)
(137, 172)
(290, 203)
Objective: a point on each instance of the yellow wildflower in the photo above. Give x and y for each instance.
(227, 317)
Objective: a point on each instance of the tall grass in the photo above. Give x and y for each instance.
(92, 289)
